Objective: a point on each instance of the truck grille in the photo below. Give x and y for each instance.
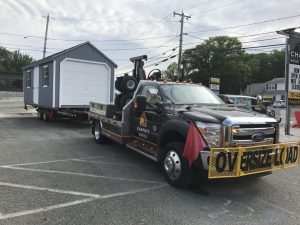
(249, 131)
(244, 135)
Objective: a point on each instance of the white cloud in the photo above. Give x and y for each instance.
(124, 19)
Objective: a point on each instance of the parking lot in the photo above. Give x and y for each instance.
(54, 173)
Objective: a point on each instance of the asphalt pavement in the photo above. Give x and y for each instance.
(54, 173)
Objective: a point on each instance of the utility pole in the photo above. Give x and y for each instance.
(183, 16)
(46, 36)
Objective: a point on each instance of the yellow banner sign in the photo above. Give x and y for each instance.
(241, 161)
(294, 95)
(214, 80)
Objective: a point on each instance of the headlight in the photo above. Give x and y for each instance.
(211, 132)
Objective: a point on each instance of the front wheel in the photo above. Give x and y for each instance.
(176, 168)
(98, 136)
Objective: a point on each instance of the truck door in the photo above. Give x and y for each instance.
(147, 123)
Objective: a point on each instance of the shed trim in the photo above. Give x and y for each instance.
(55, 55)
(54, 77)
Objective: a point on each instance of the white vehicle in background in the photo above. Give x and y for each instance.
(280, 104)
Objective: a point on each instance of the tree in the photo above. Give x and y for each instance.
(13, 61)
(171, 70)
(221, 57)
(265, 67)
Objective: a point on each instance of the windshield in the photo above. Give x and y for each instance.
(189, 94)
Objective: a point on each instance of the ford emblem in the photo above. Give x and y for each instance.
(257, 137)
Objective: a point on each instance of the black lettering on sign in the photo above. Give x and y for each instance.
(291, 154)
(232, 162)
(296, 150)
(220, 156)
(263, 153)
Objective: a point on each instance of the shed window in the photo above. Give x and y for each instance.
(45, 76)
(28, 79)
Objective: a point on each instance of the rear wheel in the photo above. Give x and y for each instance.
(176, 168)
(98, 136)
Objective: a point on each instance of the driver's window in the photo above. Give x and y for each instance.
(151, 94)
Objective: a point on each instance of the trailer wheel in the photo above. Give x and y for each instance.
(98, 137)
(39, 114)
(45, 115)
(176, 168)
(128, 84)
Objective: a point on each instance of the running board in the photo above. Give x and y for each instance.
(141, 152)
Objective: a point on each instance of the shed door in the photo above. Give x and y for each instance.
(82, 82)
(36, 85)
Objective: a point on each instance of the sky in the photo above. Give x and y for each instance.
(122, 29)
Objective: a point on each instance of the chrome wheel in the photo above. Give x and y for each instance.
(172, 165)
(97, 131)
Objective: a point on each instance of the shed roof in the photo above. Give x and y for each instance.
(52, 57)
(278, 80)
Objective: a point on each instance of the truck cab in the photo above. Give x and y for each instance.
(155, 123)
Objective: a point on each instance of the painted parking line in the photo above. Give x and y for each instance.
(81, 174)
(60, 160)
(77, 202)
(110, 163)
(37, 188)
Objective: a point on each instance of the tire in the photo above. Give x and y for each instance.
(176, 168)
(45, 116)
(125, 99)
(118, 83)
(128, 84)
(117, 101)
(122, 99)
(98, 137)
(40, 114)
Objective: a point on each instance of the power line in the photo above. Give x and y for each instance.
(82, 40)
(216, 8)
(244, 25)
(195, 6)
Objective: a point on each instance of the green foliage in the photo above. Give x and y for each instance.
(224, 57)
(220, 57)
(171, 70)
(13, 61)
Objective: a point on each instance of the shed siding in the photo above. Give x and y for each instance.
(85, 52)
(28, 92)
(46, 93)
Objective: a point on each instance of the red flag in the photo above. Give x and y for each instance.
(194, 144)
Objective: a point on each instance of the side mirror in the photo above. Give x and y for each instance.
(140, 103)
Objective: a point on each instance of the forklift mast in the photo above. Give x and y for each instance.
(138, 72)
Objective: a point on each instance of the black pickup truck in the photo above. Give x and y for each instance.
(155, 123)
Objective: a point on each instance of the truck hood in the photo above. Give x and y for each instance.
(218, 114)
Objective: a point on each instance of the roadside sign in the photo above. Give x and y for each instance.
(294, 71)
(214, 87)
(214, 84)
